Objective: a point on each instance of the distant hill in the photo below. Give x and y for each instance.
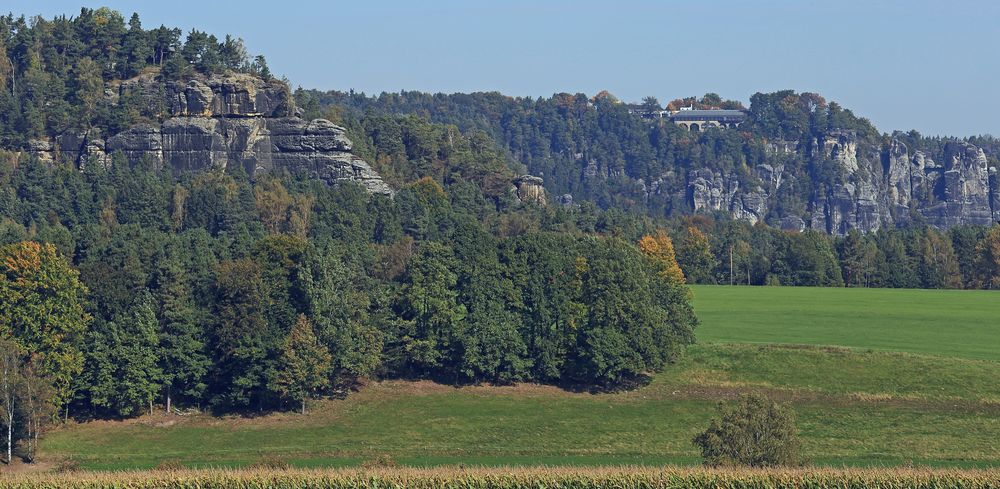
(799, 162)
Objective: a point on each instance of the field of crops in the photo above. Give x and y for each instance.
(859, 407)
(621, 477)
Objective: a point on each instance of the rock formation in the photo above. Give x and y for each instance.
(876, 188)
(529, 189)
(221, 121)
(711, 191)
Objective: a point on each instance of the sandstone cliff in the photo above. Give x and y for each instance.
(219, 122)
(875, 187)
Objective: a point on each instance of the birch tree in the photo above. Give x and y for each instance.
(36, 395)
(10, 363)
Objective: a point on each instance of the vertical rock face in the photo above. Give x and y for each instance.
(710, 191)
(898, 176)
(875, 187)
(965, 195)
(235, 119)
(235, 94)
(81, 147)
(529, 189)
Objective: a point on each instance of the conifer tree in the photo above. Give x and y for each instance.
(303, 365)
(181, 339)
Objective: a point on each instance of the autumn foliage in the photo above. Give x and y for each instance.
(660, 249)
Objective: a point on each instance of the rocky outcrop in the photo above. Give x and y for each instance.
(318, 148)
(710, 191)
(871, 188)
(964, 193)
(219, 122)
(81, 148)
(529, 189)
(231, 95)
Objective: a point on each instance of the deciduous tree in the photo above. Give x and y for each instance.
(660, 249)
(695, 256)
(41, 308)
(753, 431)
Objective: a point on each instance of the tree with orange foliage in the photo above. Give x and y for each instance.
(660, 249)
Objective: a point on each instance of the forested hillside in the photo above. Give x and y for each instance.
(59, 75)
(799, 162)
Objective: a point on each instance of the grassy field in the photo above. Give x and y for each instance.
(861, 406)
(960, 323)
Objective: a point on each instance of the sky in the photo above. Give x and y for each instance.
(932, 66)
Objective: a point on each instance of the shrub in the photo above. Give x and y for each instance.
(753, 431)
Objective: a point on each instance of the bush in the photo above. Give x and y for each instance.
(753, 431)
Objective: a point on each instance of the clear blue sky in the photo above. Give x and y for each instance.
(933, 66)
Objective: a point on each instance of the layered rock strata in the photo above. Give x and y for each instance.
(220, 122)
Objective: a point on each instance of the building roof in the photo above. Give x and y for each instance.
(708, 114)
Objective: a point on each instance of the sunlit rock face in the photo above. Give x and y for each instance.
(221, 122)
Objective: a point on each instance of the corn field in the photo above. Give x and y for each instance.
(536, 478)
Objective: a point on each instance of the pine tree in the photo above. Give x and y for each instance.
(183, 358)
(136, 48)
(304, 364)
(123, 371)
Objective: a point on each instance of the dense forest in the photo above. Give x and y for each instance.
(627, 162)
(127, 287)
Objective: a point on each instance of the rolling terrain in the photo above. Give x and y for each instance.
(905, 391)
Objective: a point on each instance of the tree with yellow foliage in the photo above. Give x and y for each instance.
(660, 249)
(41, 309)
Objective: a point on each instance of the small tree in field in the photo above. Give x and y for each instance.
(753, 431)
(304, 364)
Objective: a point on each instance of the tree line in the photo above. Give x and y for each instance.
(732, 252)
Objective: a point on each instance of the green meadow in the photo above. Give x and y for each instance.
(953, 323)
